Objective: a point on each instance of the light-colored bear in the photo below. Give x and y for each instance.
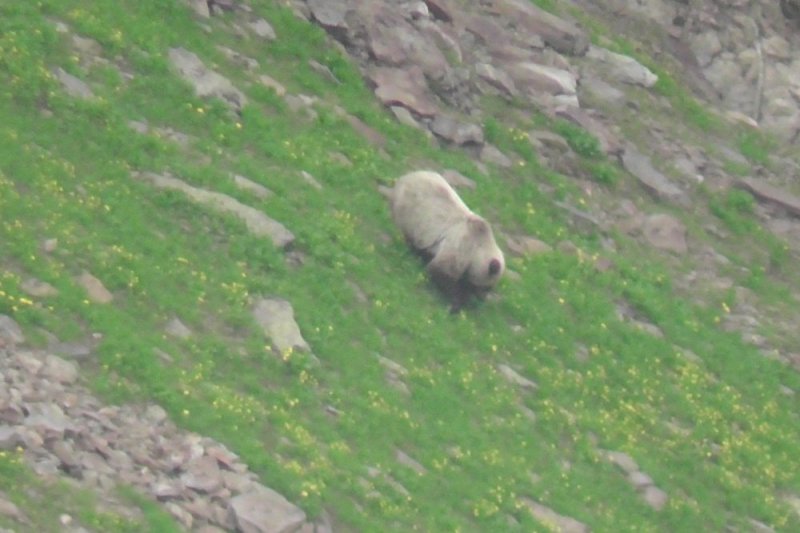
(464, 258)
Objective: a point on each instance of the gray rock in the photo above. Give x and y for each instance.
(513, 377)
(265, 511)
(622, 68)
(10, 330)
(251, 186)
(75, 87)
(535, 79)
(403, 87)
(263, 29)
(561, 523)
(768, 193)
(95, 290)
(490, 154)
(330, 14)
(654, 181)
(457, 179)
(563, 36)
(257, 222)
(271, 83)
(59, 370)
(406, 460)
(655, 497)
(28, 362)
(457, 132)
(640, 480)
(393, 41)
(177, 329)
(49, 245)
(623, 461)
(10, 438)
(200, 7)
(203, 475)
(441, 9)
(523, 245)
(206, 82)
(180, 514)
(601, 90)
(497, 78)
(403, 116)
(10, 510)
(72, 350)
(238, 58)
(48, 420)
(609, 143)
(276, 318)
(38, 288)
(392, 366)
(665, 232)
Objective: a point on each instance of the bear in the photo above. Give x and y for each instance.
(458, 245)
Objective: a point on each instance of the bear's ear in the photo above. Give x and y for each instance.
(477, 226)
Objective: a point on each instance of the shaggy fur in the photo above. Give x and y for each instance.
(464, 258)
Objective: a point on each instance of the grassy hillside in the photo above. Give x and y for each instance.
(714, 432)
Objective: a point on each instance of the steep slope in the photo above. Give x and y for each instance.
(189, 207)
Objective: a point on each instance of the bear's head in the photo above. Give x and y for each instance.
(486, 260)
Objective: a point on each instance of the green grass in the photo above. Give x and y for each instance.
(68, 177)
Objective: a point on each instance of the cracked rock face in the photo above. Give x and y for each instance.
(746, 52)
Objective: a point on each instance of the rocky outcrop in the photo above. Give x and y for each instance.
(433, 59)
(743, 54)
(63, 430)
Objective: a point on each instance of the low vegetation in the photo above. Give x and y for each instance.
(699, 410)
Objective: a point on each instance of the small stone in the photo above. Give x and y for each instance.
(273, 84)
(49, 421)
(311, 180)
(513, 377)
(166, 490)
(655, 497)
(561, 523)
(251, 186)
(640, 479)
(276, 318)
(457, 132)
(95, 289)
(263, 29)
(38, 288)
(492, 155)
(665, 232)
(178, 329)
(622, 460)
(10, 510)
(406, 460)
(10, 438)
(28, 362)
(155, 414)
(457, 179)
(10, 330)
(75, 87)
(59, 370)
(524, 245)
(202, 475)
(49, 245)
(265, 511)
(183, 516)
